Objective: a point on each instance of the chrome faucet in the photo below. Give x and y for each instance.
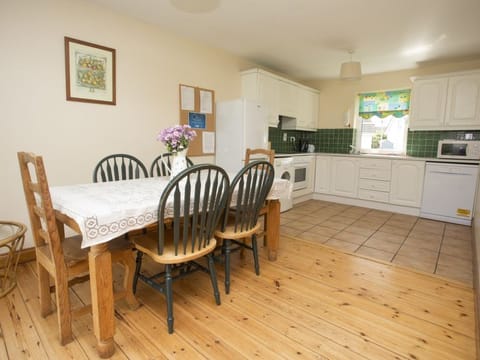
(354, 150)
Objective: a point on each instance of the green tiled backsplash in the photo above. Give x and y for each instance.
(419, 143)
(325, 140)
(424, 143)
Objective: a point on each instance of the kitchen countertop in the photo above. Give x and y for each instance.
(380, 156)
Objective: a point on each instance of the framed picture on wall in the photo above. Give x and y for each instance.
(89, 72)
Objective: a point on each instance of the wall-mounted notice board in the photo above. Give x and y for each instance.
(197, 109)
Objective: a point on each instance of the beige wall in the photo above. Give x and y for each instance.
(337, 97)
(72, 136)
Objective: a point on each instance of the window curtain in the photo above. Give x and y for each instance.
(384, 103)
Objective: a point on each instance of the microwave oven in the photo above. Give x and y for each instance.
(459, 149)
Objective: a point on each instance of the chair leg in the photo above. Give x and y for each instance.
(44, 291)
(213, 278)
(226, 244)
(137, 270)
(255, 254)
(64, 313)
(265, 227)
(169, 296)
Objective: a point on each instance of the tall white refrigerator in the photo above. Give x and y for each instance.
(240, 124)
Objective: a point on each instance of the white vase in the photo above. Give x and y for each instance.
(179, 162)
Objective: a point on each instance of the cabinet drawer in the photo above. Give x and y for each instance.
(376, 174)
(376, 185)
(373, 195)
(376, 164)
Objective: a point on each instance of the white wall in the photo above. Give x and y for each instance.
(73, 136)
(338, 96)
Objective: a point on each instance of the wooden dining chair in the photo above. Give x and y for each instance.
(119, 167)
(189, 211)
(162, 164)
(63, 261)
(261, 154)
(248, 192)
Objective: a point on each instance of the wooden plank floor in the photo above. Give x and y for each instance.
(314, 302)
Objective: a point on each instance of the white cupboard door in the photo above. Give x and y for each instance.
(407, 182)
(322, 174)
(427, 109)
(288, 99)
(463, 107)
(268, 96)
(344, 178)
(308, 112)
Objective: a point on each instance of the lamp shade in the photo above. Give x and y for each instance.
(351, 70)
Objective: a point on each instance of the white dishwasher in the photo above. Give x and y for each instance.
(449, 192)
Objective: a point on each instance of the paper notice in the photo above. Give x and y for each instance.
(206, 102)
(187, 98)
(208, 138)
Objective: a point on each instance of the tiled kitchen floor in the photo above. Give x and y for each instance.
(426, 245)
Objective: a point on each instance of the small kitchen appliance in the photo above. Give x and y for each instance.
(459, 149)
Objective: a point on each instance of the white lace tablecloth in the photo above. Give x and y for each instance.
(104, 211)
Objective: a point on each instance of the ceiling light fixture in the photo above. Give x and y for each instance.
(351, 70)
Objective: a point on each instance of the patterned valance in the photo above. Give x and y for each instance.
(384, 103)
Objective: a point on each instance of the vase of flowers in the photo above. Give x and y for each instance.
(176, 140)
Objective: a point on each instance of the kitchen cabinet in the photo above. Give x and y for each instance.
(308, 109)
(280, 96)
(344, 176)
(260, 86)
(407, 182)
(429, 98)
(374, 179)
(450, 101)
(463, 102)
(288, 99)
(322, 174)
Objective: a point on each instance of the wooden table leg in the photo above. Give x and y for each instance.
(273, 228)
(100, 264)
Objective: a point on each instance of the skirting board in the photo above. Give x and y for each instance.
(368, 204)
(26, 255)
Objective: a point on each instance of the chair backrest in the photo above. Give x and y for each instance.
(40, 209)
(163, 163)
(119, 167)
(194, 200)
(248, 192)
(259, 154)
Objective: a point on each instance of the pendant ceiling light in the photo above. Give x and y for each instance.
(351, 70)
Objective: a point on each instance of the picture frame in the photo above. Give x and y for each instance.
(89, 72)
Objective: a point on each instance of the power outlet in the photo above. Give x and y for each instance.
(284, 136)
(468, 136)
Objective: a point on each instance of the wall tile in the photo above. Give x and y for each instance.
(419, 143)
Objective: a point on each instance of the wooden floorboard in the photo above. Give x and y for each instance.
(314, 302)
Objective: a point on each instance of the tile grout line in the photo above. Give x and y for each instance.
(406, 237)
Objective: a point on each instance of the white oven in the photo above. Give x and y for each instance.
(302, 171)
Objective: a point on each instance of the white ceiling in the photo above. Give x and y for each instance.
(309, 39)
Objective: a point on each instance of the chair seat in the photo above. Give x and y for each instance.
(231, 234)
(74, 254)
(148, 244)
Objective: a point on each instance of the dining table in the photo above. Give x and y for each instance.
(103, 211)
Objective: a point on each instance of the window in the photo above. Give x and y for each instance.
(383, 121)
